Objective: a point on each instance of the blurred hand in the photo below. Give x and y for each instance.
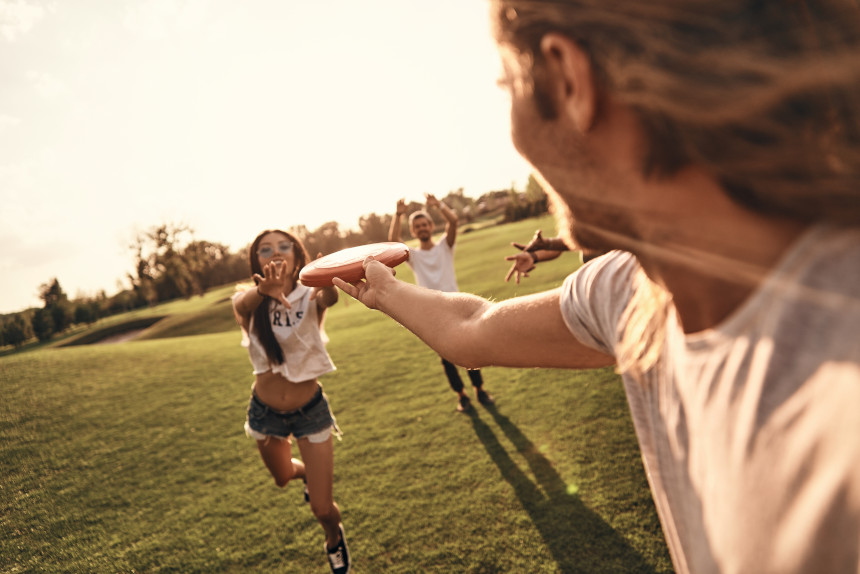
(274, 281)
(401, 207)
(522, 264)
(537, 242)
(431, 200)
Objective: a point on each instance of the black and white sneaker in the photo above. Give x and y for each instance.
(307, 495)
(338, 557)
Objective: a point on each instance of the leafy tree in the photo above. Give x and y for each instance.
(51, 293)
(86, 310)
(57, 308)
(374, 227)
(16, 330)
(325, 239)
(457, 201)
(212, 264)
(43, 324)
(162, 271)
(534, 190)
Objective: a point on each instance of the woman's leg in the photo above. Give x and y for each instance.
(319, 473)
(278, 456)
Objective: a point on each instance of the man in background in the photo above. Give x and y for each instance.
(433, 265)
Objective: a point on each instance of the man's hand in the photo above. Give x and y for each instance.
(537, 242)
(523, 263)
(376, 277)
(401, 207)
(431, 200)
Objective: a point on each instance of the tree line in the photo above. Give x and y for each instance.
(170, 263)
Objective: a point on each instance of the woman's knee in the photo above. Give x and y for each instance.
(281, 481)
(323, 512)
(283, 473)
(283, 476)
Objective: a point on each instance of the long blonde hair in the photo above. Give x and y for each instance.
(765, 96)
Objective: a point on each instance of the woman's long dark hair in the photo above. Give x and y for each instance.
(262, 326)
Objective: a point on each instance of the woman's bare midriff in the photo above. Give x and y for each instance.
(282, 394)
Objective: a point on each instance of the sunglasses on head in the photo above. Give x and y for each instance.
(267, 250)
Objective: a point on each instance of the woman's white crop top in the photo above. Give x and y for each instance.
(298, 332)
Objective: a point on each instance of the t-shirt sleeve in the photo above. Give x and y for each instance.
(593, 300)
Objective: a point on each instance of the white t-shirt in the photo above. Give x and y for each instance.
(300, 336)
(750, 431)
(434, 267)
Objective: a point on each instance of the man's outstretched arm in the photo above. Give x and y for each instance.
(473, 332)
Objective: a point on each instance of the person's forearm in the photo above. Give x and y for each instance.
(473, 332)
(544, 255)
(449, 214)
(394, 228)
(248, 300)
(439, 319)
(557, 244)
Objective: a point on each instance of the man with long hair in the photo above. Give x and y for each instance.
(713, 150)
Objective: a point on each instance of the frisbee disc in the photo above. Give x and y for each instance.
(348, 263)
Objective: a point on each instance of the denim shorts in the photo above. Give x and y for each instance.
(313, 421)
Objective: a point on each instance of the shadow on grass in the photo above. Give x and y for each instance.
(578, 538)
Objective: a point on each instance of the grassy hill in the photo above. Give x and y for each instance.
(131, 457)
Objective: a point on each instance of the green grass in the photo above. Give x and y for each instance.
(131, 457)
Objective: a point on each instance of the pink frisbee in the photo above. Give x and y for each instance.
(348, 263)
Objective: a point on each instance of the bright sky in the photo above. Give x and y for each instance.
(231, 117)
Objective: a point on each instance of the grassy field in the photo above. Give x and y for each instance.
(131, 457)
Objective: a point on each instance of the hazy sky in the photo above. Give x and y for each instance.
(231, 117)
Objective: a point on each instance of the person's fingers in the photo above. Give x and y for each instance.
(371, 265)
(511, 272)
(519, 246)
(348, 288)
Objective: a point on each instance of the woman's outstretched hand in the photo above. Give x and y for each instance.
(274, 282)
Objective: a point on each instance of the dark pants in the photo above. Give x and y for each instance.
(454, 377)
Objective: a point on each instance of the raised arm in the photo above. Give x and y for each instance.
(473, 332)
(537, 250)
(450, 216)
(396, 226)
(539, 243)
